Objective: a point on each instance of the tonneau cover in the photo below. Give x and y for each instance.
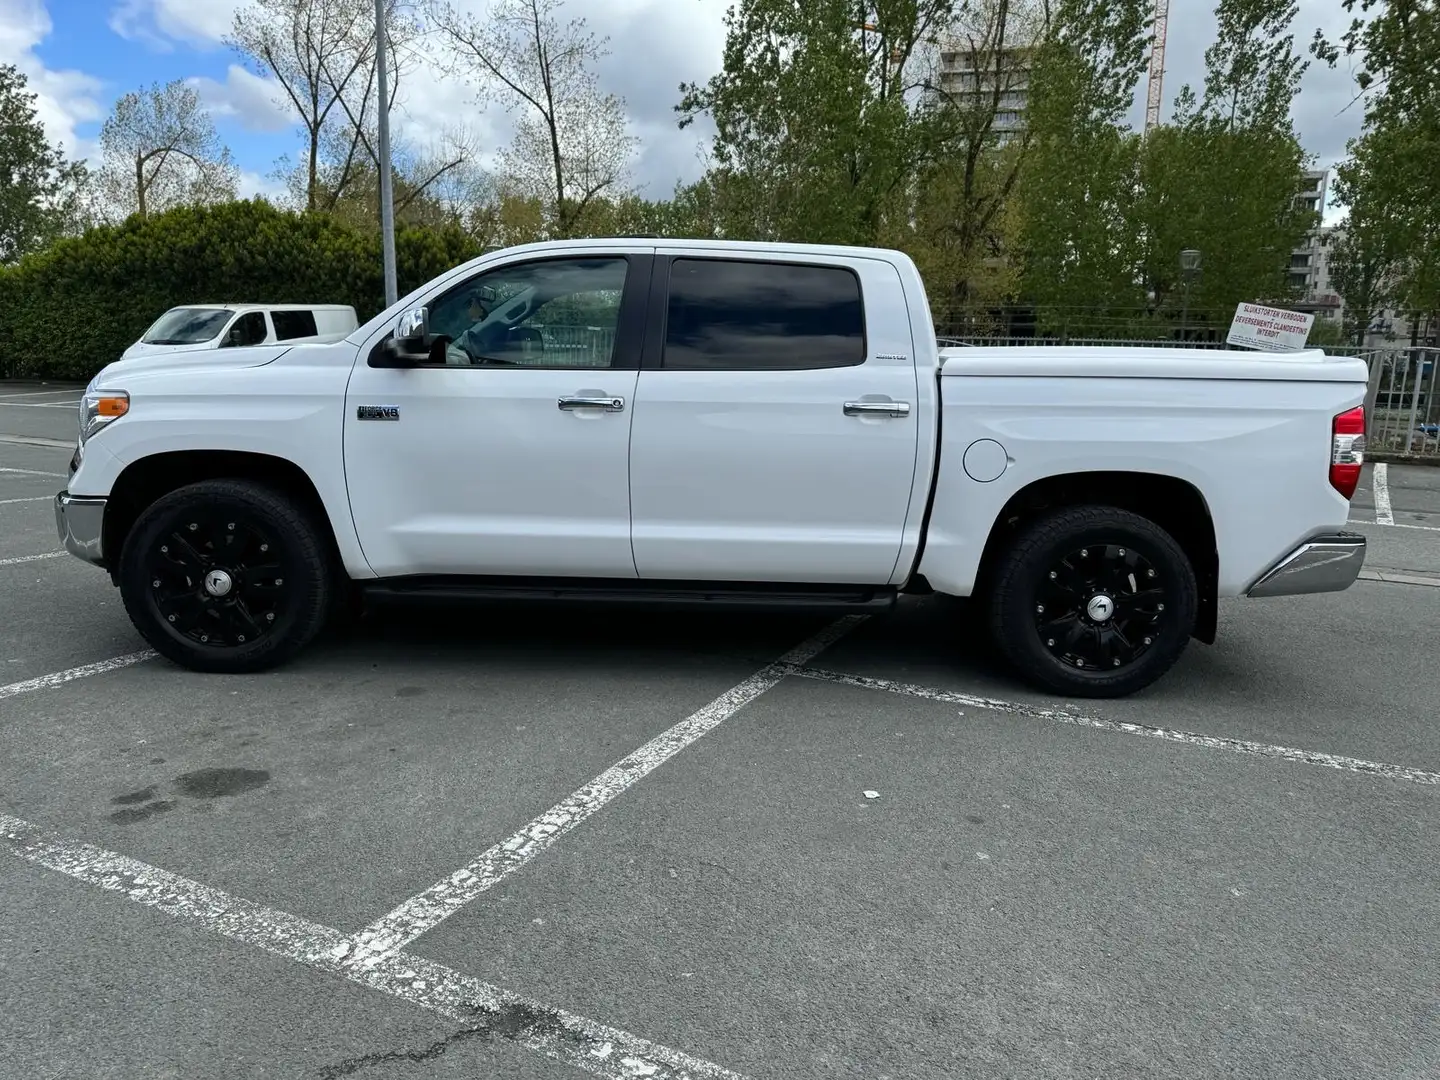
(1148, 362)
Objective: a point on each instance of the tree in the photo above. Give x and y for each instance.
(322, 54)
(38, 187)
(160, 150)
(1389, 178)
(976, 76)
(1081, 251)
(822, 122)
(1223, 177)
(572, 141)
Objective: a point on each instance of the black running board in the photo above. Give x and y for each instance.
(685, 594)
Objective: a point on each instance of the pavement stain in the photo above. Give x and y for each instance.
(350, 1066)
(219, 783)
(133, 814)
(143, 795)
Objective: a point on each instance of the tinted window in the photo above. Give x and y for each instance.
(187, 326)
(757, 315)
(550, 313)
(293, 324)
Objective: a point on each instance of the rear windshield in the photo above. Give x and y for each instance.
(187, 326)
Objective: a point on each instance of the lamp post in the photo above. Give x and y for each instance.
(387, 196)
(1189, 265)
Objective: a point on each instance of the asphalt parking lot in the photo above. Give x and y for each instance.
(539, 843)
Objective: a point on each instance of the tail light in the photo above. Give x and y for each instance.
(1347, 450)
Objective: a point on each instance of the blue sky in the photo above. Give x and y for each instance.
(83, 54)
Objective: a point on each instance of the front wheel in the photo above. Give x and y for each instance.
(226, 576)
(1093, 601)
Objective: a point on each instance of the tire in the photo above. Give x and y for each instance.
(1048, 596)
(226, 576)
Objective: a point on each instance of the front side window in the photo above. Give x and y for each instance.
(740, 315)
(549, 313)
(187, 326)
(249, 329)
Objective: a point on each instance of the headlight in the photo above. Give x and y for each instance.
(100, 407)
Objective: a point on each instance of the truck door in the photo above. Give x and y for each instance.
(507, 453)
(775, 427)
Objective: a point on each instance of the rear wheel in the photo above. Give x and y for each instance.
(226, 576)
(1093, 601)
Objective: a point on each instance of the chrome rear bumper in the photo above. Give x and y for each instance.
(1321, 564)
(80, 519)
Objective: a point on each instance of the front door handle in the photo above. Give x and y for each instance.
(877, 408)
(609, 404)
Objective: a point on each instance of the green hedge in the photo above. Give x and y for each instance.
(68, 311)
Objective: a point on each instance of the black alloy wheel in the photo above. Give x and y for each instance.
(1093, 601)
(226, 576)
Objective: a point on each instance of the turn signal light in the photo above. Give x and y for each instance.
(112, 407)
(1347, 450)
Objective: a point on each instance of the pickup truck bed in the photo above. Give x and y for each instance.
(714, 423)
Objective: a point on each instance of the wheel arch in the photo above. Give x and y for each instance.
(1175, 505)
(149, 478)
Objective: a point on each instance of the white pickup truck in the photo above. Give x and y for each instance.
(718, 423)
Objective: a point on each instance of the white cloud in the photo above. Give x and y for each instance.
(160, 24)
(65, 99)
(255, 102)
(252, 184)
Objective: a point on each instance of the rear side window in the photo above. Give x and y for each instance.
(731, 314)
(293, 324)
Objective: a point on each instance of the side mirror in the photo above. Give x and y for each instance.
(409, 345)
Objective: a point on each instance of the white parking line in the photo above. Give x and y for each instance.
(30, 499)
(59, 678)
(1212, 742)
(1383, 514)
(553, 1033)
(7, 395)
(71, 405)
(18, 559)
(33, 472)
(426, 910)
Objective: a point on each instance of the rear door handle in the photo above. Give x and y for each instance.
(877, 408)
(609, 404)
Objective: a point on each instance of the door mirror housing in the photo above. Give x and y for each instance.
(408, 345)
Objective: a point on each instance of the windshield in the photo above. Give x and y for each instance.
(187, 326)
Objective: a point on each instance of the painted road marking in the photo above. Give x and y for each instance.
(71, 405)
(36, 440)
(553, 1033)
(35, 498)
(33, 472)
(425, 911)
(8, 394)
(60, 678)
(1383, 514)
(1038, 712)
(18, 559)
(1399, 577)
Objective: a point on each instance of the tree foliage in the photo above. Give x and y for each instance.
(1389, 179)
(38, 187)
(572, 141)
(160, 151)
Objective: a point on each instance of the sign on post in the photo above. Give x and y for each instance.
(1268, 328)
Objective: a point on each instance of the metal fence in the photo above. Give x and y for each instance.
(1403, 403)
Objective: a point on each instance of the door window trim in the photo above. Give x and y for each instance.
(659, 310)
(630, 323)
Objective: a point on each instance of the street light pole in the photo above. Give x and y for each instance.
(1189, 263)
(387, 195)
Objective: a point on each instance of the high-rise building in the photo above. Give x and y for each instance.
(970, 78)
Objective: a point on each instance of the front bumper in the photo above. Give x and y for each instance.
(1328, 563)
(80, 520)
